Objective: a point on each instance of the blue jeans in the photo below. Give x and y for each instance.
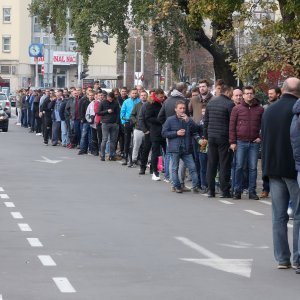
(202, 158)
(64, 134)
(55, 132)
(298, 179)
(282, 190)
(246, 151)
(189, 163)
(167, 161)
(84, 141)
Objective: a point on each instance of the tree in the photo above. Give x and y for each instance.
(173, 23)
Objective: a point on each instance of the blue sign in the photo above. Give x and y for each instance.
(36, 50)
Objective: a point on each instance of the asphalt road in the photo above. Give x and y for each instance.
(101, 231)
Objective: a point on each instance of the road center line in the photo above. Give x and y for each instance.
(265, 202)
(64, 285)
(9, 204)
(1, 297)
(253, 212)
(4, 196)
(16, 215)
(226, 202)
(34, 242)
(47, 260)
(24, 227)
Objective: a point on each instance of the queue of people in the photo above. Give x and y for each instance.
(217, 137)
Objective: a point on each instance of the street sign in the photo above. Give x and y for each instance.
(87, 82)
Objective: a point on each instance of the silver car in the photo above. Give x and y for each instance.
(5, 103)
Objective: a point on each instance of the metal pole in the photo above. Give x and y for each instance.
(166, 78)
(142, 53)
(134, 62)
(125, 74)
(156, 81)
(36, 72)
(238, 56)
(79, 69)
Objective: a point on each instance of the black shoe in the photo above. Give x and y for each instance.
(225, 195)
(102, 158)
(237, 196)
(298, 270)
(253, 196)
(95, 153)
(142, 171)
(178, 190)
(124, 163)
(81, 152)
(211, 194)
(195, 190)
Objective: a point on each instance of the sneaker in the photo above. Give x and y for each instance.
(166, 180)
(237, 196)
(155, 177)
(185, 189)
(245, 192)
(45, 143)
(102, 158)
(211, 194)
(284, 266)
(290, 213)
(297, 270)
(173, 189)
(142, 171)
(18, 124)
(225, 195)
(124, 163)
(264, 194)
(178, 190)
(81, 152)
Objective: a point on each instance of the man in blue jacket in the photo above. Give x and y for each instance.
(178, 129)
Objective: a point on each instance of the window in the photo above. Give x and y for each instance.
(6, 43)
(4, 69)
(6, 15)
(36, 39)
(36, 25)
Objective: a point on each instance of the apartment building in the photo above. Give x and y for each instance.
(60, 64)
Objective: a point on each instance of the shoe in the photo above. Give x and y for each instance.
(237, 196)
(38, 134)
(245, 191)
(81, 152)
(142, 171)
(46, 143)
(297, 271)
(253, 196)
(55, 144)
(173, 189)
(185, 189)
(18, 124)
(155, 177)
(178, 190)
(102, 158)
(225, 195)
(195, 190)
(264, 194)
(284, 266)
(203, 190)
(166, 180)
(112, 158)
(295, 266)
(211, 194)
(124, 163)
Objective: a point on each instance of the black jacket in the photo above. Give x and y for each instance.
(277, 153)
(217, 117)
(109, 117)
(152, 122)
(135, 114)
(83, 105)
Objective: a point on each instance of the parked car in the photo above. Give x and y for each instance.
(3, 120)
(4, 102)
(12, 99)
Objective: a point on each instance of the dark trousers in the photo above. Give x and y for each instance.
(29, 113)
(24, 118)
(47, 132)
(95, 142)
(146, 150)
(156, 152)
(56, 132)
(121, 138)
(38, 122)
(33, 120)
(266, 184)
(218, 154)
(128, 129)
(99, 135)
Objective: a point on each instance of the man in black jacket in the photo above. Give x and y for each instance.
(279, 165)
(216, 131)
(109, 110)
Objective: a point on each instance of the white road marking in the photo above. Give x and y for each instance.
(265, 202)
(9, 204)
(290, 225)
(16, 215)
(1, 297)
(253, 212)
(241, 267)
(34, 242)
(226, 202)
(1, 189)
(47, 260)
(49, 161)
(242, 245)
(64, 285)
(4, 196)
(24, 227)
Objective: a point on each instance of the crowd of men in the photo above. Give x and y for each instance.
(217, 137)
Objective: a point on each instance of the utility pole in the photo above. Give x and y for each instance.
(134, 61)
(142, 53)
(125, 74)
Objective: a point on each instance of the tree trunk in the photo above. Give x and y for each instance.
(221, 66)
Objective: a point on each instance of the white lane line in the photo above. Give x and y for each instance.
(4, 196)
(290, 225)
(265, 202)
(9, 204)
(47, 260)
(1, 190)
(16, 215)
(64, 285)
(226, 202)
(24, 227)
(253, 212)
(34, 242)
(1, 297)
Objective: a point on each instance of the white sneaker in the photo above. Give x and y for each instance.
(155, 178)
(18, 124)
(38, 134)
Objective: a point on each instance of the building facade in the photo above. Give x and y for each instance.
(60, 65)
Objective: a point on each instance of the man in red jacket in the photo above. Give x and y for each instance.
(244, 138)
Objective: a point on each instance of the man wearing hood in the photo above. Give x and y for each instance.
(244, 138)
